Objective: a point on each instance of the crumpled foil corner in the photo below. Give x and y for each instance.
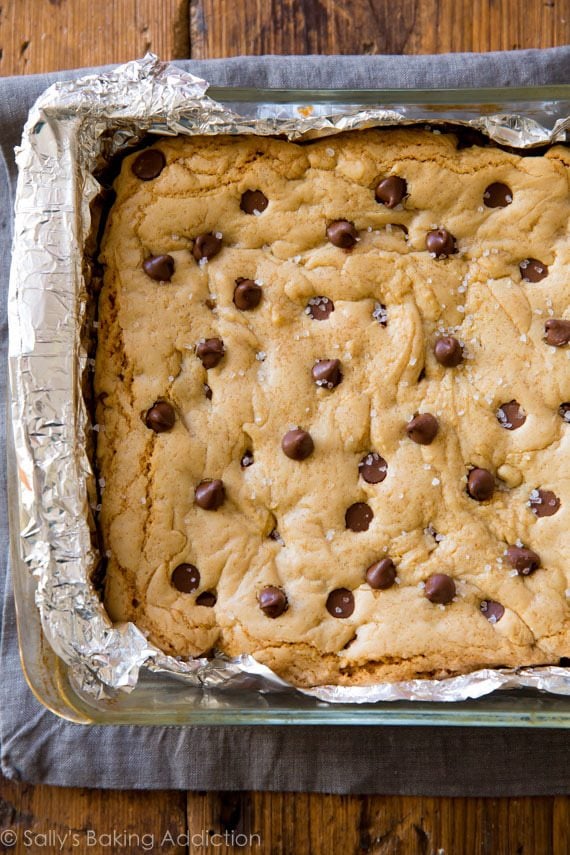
(73, 129)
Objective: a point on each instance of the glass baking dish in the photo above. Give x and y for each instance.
(162, 699)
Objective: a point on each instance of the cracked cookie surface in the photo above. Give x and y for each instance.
(333, 415)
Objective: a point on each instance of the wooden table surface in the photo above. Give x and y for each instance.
(43, 35)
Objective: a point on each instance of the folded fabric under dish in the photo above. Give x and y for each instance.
(38, 747)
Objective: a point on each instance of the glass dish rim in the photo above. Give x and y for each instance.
(444, 96)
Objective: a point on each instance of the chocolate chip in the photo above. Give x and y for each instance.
(498, 195)
(297, 444)
(319, 308)
(441, 243)
(382, 574)
(358, 516)
(440, 588)
(160, 417)
(274, 535)
(390, 191)
(511, 415)
(326, 373)
(210, 351)
(342, 233)
(557, 332)
(492, 610)
(207, 246)
(247, 459)
(523, 560)
(210, 495)
(533, 270)
(380, 314)
(185, 578)
(272, 601)
(423, 428)
(159, 267)
(207, 598)
(373, 468)
(448, 351)
(207, 392)
(544, 503)
(564, 410)
(253, 202)
(149, 164)
(480, 484)
(247, 294)
(340, 603)
(210, 304)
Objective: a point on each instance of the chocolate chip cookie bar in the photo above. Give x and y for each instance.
(333, 386)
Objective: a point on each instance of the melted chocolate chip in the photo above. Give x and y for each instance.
(253, 202)
(274, 535)
(159, 267)
(373, 468)
(564, 411)
(557, 332)
(149, 164)
(511, 415)
(440, 588)
(207, 598)
(523, 560)
(210, 351)
(319, 308)
(358, 516)
(533, 270)
(247, 294)
(382, 574)
(247, 459)
(326, 373)
(160, 417)
(207, 392)
(498, 195)
(297, 444)
(391, 191)
(272, 601)
(448, 351)
(206, 246)
(423, 428)
(210, 495)
(185, 578)
(340, 603)
(492, 610)
(342, 233)
(480, 484)
(441, 243)
(544, 503)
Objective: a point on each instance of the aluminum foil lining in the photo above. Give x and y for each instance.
(72, 131)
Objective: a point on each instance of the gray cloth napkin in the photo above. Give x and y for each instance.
(40, 748)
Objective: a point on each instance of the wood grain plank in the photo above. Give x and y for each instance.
(48, 35)
(226, 28)
(68, 821)
(383, 825)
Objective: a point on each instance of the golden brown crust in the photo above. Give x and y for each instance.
(263, 387)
